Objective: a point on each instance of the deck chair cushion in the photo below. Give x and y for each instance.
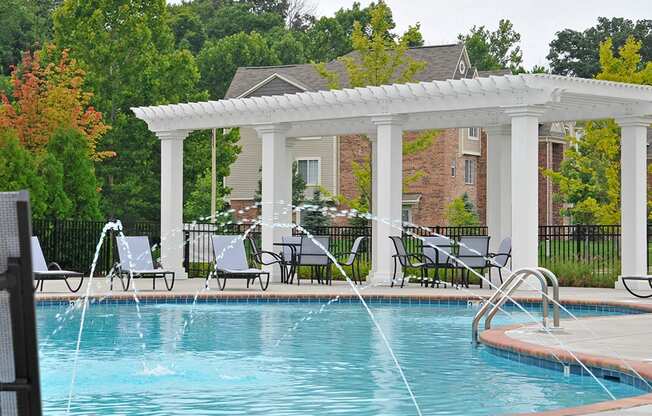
(39, 265)
(311, 252)
(438, 255)
(230, 254)
(135, 254)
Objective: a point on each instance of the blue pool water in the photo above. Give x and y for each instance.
(290, 359)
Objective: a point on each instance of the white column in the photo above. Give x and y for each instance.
(499, 186)
(172, 243)
(524, 181)
(389, 194)
(633, 197)
(374, 199)
(276, 188)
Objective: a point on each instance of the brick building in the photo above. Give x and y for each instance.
(454, 164)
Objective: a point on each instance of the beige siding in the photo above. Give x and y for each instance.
(469, 146)
(245, 172)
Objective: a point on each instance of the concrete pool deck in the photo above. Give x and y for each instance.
(612, 342)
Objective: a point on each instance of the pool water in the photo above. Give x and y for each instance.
(290, 359)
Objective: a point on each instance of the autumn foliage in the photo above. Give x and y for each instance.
(48, 95)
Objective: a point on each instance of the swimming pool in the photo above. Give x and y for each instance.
(291, 359)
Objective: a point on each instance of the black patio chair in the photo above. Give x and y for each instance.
(405, 260)
(258, 257)
(500, 259)
(473, 254)
(437, 251)
(44, 271)
(352, 259)
(313, 256)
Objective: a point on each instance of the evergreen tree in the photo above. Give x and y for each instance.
(313, 217)
(18, 171)
(70, 149)
(461, 212)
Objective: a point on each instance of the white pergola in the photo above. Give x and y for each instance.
(508, 107)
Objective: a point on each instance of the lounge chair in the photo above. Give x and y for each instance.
(290, 255)
(136, 263)
(647, 279)
(474, 254)
(438, 258)
(352, 259)
(406, 259)
(312, 255)
(231, 262)
(44, 271)
(500, 259)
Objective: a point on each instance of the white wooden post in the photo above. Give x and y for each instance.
(525, 185)
(499, 187)
(374, 200)
(633, 198)
(389, 194)
(276, 189)
(172, 243)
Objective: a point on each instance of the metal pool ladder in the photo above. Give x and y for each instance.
(492, 305)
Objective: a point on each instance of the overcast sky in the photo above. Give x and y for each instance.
(537, 21)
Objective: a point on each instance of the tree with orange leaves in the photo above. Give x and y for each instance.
(47, 95)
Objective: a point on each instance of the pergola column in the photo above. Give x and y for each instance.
(374, 198)
(524, 180)
(389, 194)
(276, 198)
(172, 201)
(499, 186)
(633, 196)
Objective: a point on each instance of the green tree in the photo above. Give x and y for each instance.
(461, 212)
(219, 60)
(128, 51)
(197, 169)
(70, 149)
(18, 170)
(589, 176)
(313, 218)
(378, 59)
(16, 32)
(188, 29)
(239, 17)
(494, 50)
(298, 187)
(57, 203)
(577, 53)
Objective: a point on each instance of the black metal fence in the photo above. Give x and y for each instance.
(73, 243)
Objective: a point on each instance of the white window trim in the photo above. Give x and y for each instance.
(468, 133)
(318, 159)
(409, 211)
(454, 168)
(473, 173)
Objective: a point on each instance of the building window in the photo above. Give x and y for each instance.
(474, 133)
(453, 168)
(469, 171)
(309, 171)
(406, 214)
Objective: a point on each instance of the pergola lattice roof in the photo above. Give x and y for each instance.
(435, 104)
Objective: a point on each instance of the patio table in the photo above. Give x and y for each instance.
(293, 260)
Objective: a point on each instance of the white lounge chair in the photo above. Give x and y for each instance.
(231, 262)
(136, 263)
(44, 271)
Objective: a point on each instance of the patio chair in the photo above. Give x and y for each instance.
(438, 258)
(272, 258)
(313, 256)
(473, 253)
(290, 256)
(231, 262)
(136, 262)
(44, 271)
(405, 259)
(500, 259)
(352, 259)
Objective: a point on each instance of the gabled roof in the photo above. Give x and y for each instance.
(441, 64)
